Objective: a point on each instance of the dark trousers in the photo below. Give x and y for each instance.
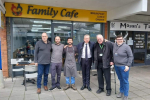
(42, 68)
(56, 68)
(86, 66)
(106, 72)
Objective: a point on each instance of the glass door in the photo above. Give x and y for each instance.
(139, 48)
(148, 49)
(62, 30)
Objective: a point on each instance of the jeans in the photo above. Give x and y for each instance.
(68, 80)
(42, 68)
(123, 78)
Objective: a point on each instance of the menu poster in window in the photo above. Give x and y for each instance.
(139, 41)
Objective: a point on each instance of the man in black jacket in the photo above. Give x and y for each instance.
(85, 59)
(103, 59)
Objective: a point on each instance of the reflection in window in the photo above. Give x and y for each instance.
(127, 35)
(26, 32)
(80, 29)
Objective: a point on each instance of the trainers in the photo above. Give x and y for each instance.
(125, 98)
(73, 87)
(38, 91)
(67, 87)
(119, 95)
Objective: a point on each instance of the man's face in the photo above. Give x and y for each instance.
(119, 40)
(57, 40)
(86, 39)
(44, 37)
(100, 39)
(69, 41)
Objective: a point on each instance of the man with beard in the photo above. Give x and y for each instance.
(70, 70)
(56, 62)
(42, 57)
(103, 59)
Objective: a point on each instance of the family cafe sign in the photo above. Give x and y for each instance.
(54, 13)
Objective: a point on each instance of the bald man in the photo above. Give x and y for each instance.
(56, 62)
(42, 60)
(103, 59)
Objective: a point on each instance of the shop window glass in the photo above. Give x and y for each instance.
(148, 47)
(26, 32)
(80, 29)
(127, 35)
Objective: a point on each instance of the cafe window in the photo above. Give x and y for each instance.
(80, 29)
(26, 32)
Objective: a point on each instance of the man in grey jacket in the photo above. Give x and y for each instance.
(42, 60)
(56, 62)
(122, 60)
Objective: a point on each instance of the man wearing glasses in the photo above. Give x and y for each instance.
(123, 58)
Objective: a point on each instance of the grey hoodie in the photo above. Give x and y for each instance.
(122, 55)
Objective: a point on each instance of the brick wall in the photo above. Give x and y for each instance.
(4, 53)
(106, 30)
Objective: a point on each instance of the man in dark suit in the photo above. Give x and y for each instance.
(85, 59)
(103, 59)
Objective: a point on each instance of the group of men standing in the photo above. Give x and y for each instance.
(99, 53)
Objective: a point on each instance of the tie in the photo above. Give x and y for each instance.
(86, 56)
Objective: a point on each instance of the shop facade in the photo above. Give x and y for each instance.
(25, 23)
(137, 36)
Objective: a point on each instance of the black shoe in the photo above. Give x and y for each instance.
(108, 93)
(58, 87)
(89, 88)
(52, 88)
(99, 91)
(83, 87)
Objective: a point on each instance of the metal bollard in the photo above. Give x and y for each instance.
(1, 80)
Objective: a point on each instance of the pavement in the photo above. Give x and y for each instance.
(139, 81)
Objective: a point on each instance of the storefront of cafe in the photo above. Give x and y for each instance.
(25, 23)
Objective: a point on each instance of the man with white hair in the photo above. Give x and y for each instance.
(85, 59)
(103, 59)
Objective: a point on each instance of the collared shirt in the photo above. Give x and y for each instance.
(88, 51)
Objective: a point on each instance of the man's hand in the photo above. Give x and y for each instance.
(36, 64)
(111, 63)
(65, 46)
(126, 68)
(106, 40)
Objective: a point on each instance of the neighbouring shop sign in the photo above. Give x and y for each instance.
(55, 13)
(127, 26)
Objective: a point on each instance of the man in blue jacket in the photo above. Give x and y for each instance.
(85, 59)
